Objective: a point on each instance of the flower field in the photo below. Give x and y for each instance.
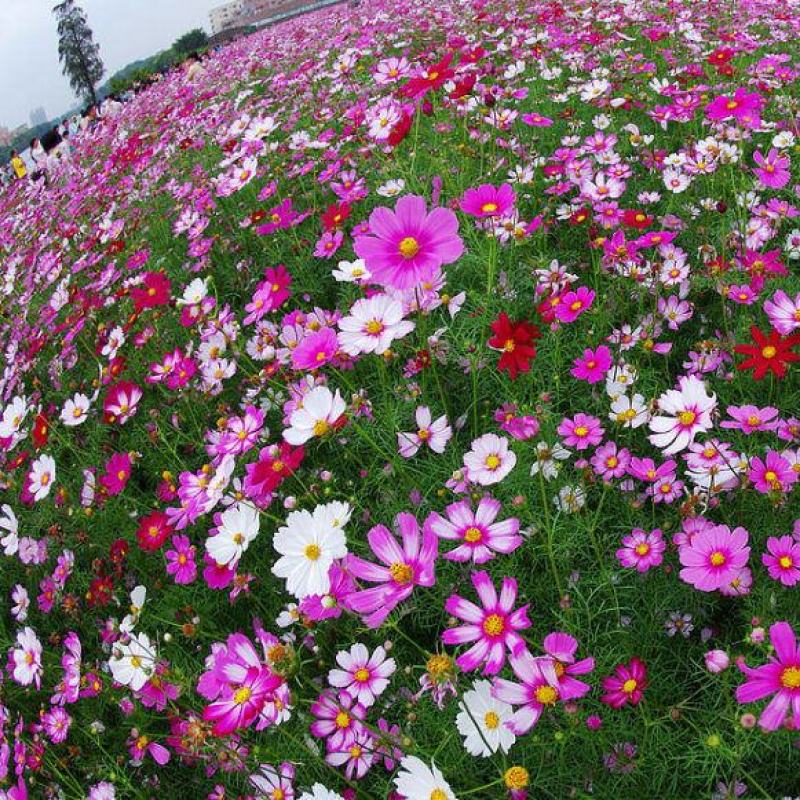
(409, 407)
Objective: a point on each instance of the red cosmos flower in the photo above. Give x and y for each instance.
(41, 430)
(433, 77)
(400, 130)
(636, 219)
(118, 471)
(274, 465)
(514, 339)
(335, 216)
(154, 291)
(769, 353)
(100, 591)
(153, 531)
(722, 55)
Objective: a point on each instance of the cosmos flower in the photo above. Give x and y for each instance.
(406, 246)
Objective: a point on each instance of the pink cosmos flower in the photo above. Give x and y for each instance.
(139, 746)
(572, 304)
(782, 559)
(275, 782)
(56, 723)
(326, 606)
(338, 719)
(435, 435)
(363, 676)
(493, 628)
(536, 120)
(714, 557)
(406, 566)
(561, 647)
(488, 200)
(611, 461)
(479, 535)
(270, 294)
(745, 107)
(181, 560)
(356, 757)
(772, 171)
(641, 549)
(783, 312)
(521, 426)
(626, 685)
(593, 365)
(315, 350)
(121, 402)
(684, 412)
(408, 245)
(328, 244)
(538, 689)
(749, 419)
(489, 460)
(773, 474)
(118, 471)
(581, 432)
(780, 676)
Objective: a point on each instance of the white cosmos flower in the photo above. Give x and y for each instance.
(133, 663)
(308, 545)
(13, 416)
(42, 476)
(417, 781)
(138, 596)
(481, 721)
(75, 410)
(683, 413)
(352, 272)
(319, 411)
(372, 325)
(8, 522)
(391, 188)
(630, 412)
(320, 792)
(236, 528)
(336, 514)
(194, 293)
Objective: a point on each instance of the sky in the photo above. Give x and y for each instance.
(126, 30)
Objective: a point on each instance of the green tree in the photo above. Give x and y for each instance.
(191, 41)
(77, 50)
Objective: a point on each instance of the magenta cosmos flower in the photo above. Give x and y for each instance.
(572, 304)
(488, 200)
(781, 677)
(363, 676)
(714, 557)
(642, 550)
(593, 365)
(782, 559)
(479, 535)
(626, 685)
(581, 431)
(773, 169)
(493, 628)
(561, 647)
(538, 689)
(745, 107)
(315, 350)
(773, 474)
(408, 245)
(406, 566)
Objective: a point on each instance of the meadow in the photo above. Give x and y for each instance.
(409, 407)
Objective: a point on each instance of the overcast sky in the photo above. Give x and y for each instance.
(126, 30)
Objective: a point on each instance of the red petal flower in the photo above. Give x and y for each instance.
(770, 353)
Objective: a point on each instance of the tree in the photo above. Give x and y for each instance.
(191, 41)
(77, 49)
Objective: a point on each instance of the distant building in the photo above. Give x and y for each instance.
(224, 16)
(38, 117)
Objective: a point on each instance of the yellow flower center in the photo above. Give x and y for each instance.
(642, 549)
(342, 719)
(473, 535)
(136, 662)
(769, 351)
(581, 430)
(401, 572)
(509, 345)
(409, 247)
(438, 794)
(731, 104)
(374, 327)
(492, 462)
(45, 479)
(516, 778)
(321, 427)
(312, 552)
(717, 558)
(577, 305)
(491, 720)
(687, 417)
(242, 695)
(361, 675)
(438, 666)
(785, 562)
(546, 695)
(790, 678)
(493, 625)
(770, 476)
(629, 687)
(488, 208)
